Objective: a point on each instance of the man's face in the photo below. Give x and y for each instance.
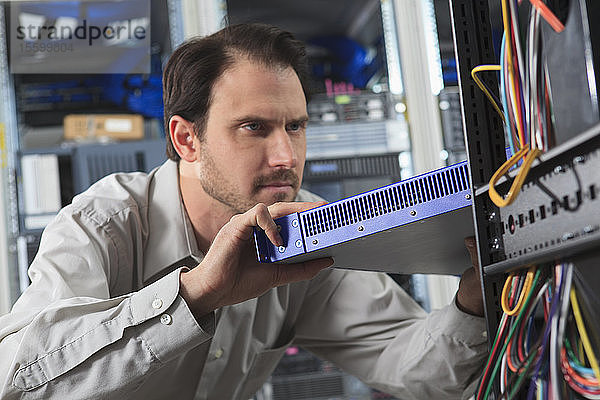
(253, 148)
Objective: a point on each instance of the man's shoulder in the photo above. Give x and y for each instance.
(116, 193)
(117, 188)
(305, 195)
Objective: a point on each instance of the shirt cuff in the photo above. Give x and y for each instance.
(166, 323)
(451, 321)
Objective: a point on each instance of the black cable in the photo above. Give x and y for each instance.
(589, 301)
(564, 204)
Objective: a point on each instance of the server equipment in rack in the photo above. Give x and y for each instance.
(537, 225)
(414, 226)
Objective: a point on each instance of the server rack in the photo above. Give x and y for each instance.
(77, 168)
(17, 117)
(557, 214)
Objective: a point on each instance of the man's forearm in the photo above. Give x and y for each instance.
(52, 354)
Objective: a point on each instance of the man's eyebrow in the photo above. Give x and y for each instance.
(300, 120)
(256, 118)
(247, 118)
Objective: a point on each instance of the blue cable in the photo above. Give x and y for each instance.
(540, 363)
(580, 369)
(530, 328)
(503, 99)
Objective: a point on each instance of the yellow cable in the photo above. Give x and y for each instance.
(511, 72)
(506, 29)
(504, 297)
(519, 179)
(583, 334)
(483, 88)
(524, 292)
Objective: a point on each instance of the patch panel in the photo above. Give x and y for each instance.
(557, 210)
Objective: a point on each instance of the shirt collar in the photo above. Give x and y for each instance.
(171, 240)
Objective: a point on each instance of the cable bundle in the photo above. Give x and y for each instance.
(524, 94)
(542, 339)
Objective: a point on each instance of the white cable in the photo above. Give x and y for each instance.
(502, 373)
(514, 18)
(559, 329)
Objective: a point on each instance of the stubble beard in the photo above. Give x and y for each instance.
(216, 186)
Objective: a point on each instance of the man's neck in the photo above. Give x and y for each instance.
(206, 214)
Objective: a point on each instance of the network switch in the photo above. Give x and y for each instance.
(417, 225)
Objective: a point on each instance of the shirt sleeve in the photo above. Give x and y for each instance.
(366, 324)
(66, 338)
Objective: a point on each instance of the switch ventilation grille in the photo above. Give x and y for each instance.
(386, 200)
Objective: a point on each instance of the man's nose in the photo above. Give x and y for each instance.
(281, 150)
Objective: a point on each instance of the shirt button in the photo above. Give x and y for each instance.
(484, 334)
(219, 353)
(166, 319)
(157, 303)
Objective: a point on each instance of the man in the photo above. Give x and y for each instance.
(147, 286)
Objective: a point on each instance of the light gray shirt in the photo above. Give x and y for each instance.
(103, 317)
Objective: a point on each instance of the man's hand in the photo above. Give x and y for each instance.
(230, 272)
(469, 297)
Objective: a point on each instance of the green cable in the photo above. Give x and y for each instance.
(504, 316)
(522, 376)
(572, 356)
(510, 333)
(490, 358)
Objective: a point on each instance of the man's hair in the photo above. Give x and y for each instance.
(195, 66)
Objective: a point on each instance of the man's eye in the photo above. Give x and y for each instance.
(294, 126)
(253, 126)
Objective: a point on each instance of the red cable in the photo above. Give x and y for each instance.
(574, 375)
(491, 358)
(548, 15)
(513, 290)
(517, 82)
(512, 366)
(520, 343)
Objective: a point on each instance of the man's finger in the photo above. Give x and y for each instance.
(241, 225)
(264, 220)
(471, 245)
(263, 216)
(284, 208)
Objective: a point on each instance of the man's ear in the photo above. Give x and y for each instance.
(182, 136)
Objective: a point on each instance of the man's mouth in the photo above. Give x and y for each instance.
(277, 187)
(278, 184)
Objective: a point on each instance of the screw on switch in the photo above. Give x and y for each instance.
(568, 236)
